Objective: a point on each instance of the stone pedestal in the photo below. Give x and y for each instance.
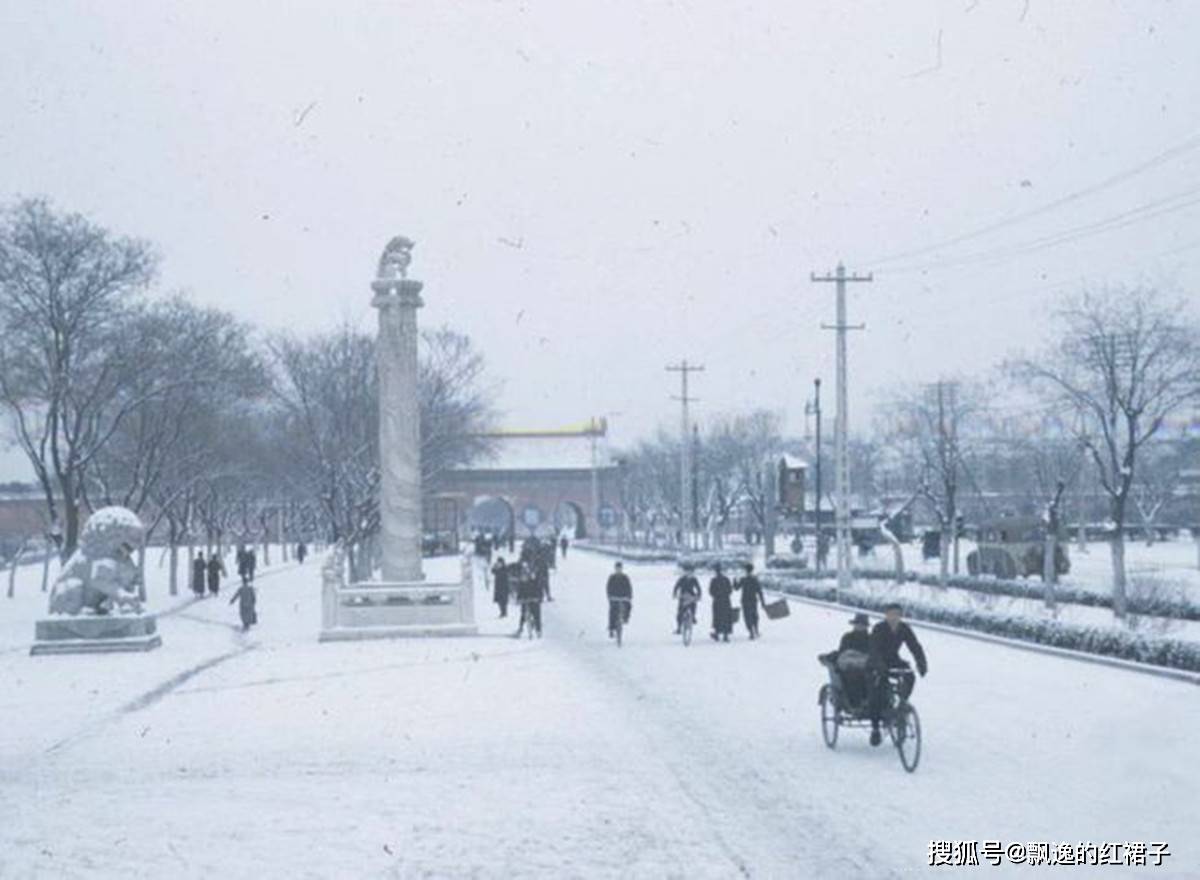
(95, 635)
(394, 609)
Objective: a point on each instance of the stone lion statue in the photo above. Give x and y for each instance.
(395, 259)
(101, 576)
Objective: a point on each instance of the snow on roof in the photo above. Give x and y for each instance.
(544, 451)
(793, 462)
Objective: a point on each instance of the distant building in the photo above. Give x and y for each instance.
(537, 481)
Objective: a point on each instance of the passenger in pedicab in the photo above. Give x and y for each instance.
(850, 661)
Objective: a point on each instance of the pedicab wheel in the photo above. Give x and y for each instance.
(829, 717)
(905, 731)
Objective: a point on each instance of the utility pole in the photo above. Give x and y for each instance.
(816, 411)
(841, 426)
(695, 479)
(684, 369)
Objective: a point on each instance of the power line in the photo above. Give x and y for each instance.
(1159, 207)
(1165, 156)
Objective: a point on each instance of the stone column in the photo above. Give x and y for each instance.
(398, 299)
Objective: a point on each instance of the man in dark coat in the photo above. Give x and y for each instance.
(529, 594)
(563, 544)
(752, 597)
(301, 552)
(216, 568)
(251, 562)
(246, 605)
(199, 570)
(687, 591)
(500, 585)
(886, 640)
(721, 591)
(618, 587)
(243, 564)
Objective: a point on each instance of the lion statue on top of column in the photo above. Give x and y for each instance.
(101, 575)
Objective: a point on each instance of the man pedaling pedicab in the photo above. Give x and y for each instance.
(886, 639)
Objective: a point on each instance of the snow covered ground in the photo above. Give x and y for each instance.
(270, 755)
(1173, 564)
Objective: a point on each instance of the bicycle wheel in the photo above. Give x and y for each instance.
(829, 717)
(905, 730)
(685, 630)
(620, 631)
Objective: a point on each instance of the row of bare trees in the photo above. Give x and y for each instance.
(730, 455)
(214, 432)
(1090, 415)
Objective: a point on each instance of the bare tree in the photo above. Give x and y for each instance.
(69, 371)
(1126, 360)
(934, 429)
(327, 391)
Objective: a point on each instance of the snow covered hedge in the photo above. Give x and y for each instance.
(1156, 606)
(702, 560)
(1108, 642)
(633, 554)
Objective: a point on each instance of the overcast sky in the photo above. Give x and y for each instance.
(599, 188)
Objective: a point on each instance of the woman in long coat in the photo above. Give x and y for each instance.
(247, 603)
(722, 608)
(216, 568)
(198, 573)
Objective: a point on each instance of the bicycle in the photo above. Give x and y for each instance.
(900, 716)
(623, 606)
(528, 616)
(687, 618)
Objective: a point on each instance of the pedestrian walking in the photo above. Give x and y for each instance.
(199, 569)
(752, 597)
(247, 605)
(501, 585)
(216, 569)
(721, 591)
(563, 544)
(301, 552)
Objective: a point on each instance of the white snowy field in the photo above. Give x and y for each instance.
(270, 755)
(1173, 565)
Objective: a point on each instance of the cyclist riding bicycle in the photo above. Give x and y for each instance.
(886, 639)
(687, 591)
(620, 598)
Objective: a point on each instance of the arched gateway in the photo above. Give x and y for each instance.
(537, 481)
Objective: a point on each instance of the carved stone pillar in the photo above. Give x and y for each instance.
(397, 299)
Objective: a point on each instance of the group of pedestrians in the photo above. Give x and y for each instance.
(688, 592)
(527, 580)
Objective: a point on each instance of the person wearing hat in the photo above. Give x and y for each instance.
(859, 637)
(687, 591)
(888, 636)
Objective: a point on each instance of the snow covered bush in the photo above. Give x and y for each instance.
(1105, 641)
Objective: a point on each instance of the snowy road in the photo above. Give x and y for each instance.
(566, 757)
